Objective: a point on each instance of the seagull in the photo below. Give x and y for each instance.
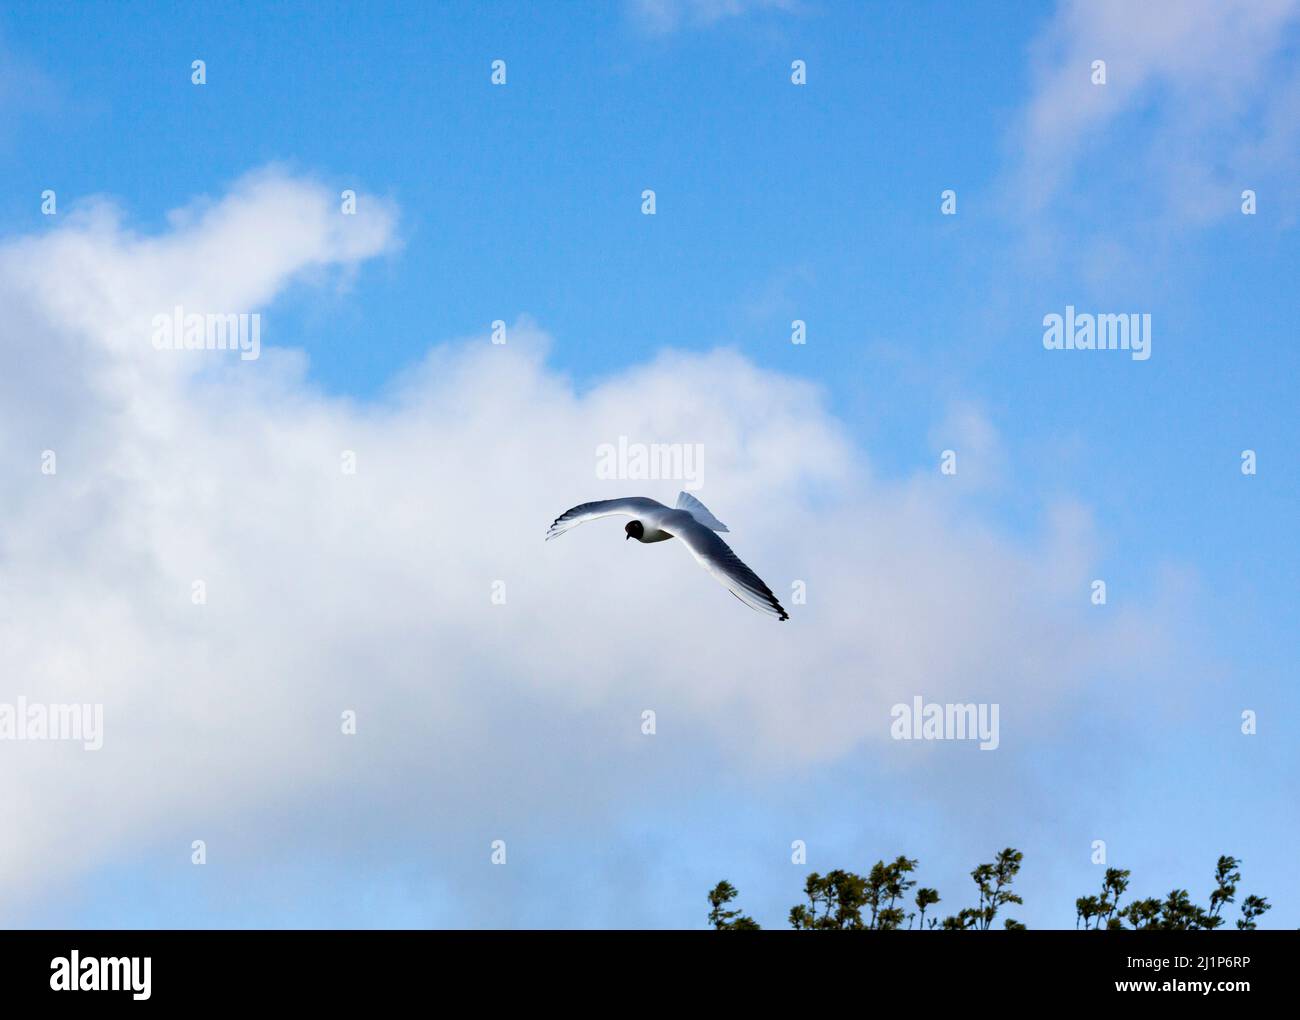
(690, 521)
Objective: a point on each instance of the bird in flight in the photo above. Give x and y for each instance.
(690, 521)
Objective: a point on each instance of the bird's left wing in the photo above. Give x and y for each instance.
(629, 506)
(717, 558)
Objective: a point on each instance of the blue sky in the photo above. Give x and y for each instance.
(774, 202)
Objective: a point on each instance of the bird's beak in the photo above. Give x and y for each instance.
(626, 537)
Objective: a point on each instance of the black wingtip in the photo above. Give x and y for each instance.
(782, 615)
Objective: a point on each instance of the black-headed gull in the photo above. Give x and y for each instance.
(695, 526)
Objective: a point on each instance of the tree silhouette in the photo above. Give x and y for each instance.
(837, 900)
(1176, 912)
(994, 884)
(926, 898)
(1251, 907)
(886, 885)
(1097, 911)
(727, 920)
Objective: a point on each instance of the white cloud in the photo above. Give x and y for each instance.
(371, 592)
(1207, 86)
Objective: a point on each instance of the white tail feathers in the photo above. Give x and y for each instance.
(685, 501)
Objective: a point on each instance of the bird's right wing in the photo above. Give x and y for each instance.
(717, 558)
(629, 506)
(687, 502)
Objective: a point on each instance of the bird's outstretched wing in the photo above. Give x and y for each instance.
(717, 558)
(629, 506)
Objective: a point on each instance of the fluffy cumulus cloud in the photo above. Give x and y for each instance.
(329, 591)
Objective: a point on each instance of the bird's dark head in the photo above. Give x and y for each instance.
(634, 529)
